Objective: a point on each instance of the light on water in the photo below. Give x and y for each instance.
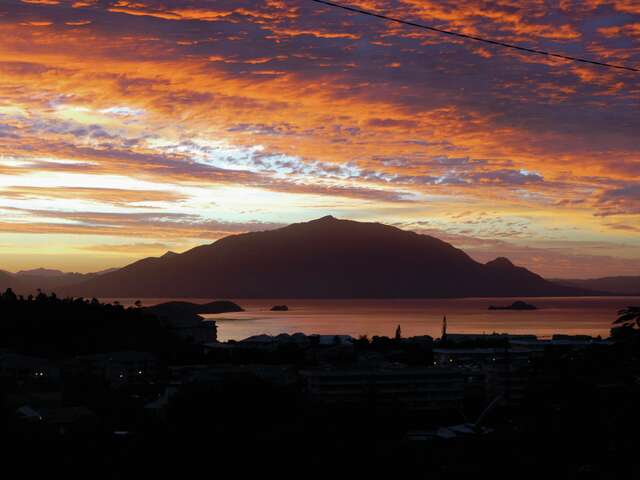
(566, 315)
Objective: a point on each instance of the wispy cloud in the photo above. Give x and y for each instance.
(134, 108)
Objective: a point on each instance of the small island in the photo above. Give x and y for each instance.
(181, 308)
(279, 308)
(518, 305)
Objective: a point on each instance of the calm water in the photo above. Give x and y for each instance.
(583, 315)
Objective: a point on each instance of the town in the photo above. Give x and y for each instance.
(456, 391)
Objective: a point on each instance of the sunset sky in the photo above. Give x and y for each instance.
(129, 128)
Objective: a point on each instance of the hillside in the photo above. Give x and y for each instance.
(324, 258)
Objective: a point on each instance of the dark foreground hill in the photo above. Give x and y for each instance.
(50, 327)
(324, 258)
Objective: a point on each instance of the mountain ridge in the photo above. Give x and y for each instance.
(322, 258)
(30, 281)
(618, 284)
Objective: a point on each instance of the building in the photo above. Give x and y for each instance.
(26, 369)
(478, 357)
(51, 423)
(194, 329)
(560, 342)
(508, 381)
(217, 374)
(483, 337)
(116, 367)
(298, 339)
(185, 324)
(413, 388)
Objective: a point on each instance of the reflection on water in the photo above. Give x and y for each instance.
(583, 315)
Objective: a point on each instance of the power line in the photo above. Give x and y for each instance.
(472, 37)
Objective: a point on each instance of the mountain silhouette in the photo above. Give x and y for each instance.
(9, 280)
(40, 272)
(28, 282)
(324, 258)
(619, 285)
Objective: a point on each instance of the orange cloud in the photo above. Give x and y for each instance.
(300, 103)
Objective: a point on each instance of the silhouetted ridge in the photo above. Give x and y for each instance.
(619, 285)
(325, 219)
(27, 282)
(323, 258)
(43, 272)
(500, 262)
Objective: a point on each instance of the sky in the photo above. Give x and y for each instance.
(130, 128)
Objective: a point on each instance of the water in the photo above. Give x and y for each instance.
(567, 315)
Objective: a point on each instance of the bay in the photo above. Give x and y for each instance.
(555, 315)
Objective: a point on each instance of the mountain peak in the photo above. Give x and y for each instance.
(500, 262)
(169, 254)
(326, 219)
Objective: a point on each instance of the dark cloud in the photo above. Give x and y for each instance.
(620, 201)
(508, 177)
(293, 97)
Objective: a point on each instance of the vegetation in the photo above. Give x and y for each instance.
(626, 328)
(45, 325)
(629, 317)
(577, 416)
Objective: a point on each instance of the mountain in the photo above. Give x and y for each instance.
(8, 280)
(629, 285)
(40, 272)
(47, 282)
(102, 272)
(324, 258)
(29, 281)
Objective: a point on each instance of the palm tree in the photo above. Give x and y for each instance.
(629, 317)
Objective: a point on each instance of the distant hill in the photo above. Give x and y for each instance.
(617, 285)
(40, 272)
(324, 258)
(9, 280)
(29, 281)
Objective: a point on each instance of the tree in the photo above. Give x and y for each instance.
(629, 317)
(398, 333)
(10, 296)
(50, 326)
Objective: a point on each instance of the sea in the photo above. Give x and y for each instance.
(555, 315)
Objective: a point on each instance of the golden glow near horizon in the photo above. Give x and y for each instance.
(132, 128)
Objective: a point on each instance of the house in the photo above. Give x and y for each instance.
(116, 367)
(561, 342)
(220, 373)
(507, 380)
(483, 337)
(158, 407)
(477, 357)
(331, 340)
(414, 388)
(53, 422)
(26, 369)
(184, 323)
